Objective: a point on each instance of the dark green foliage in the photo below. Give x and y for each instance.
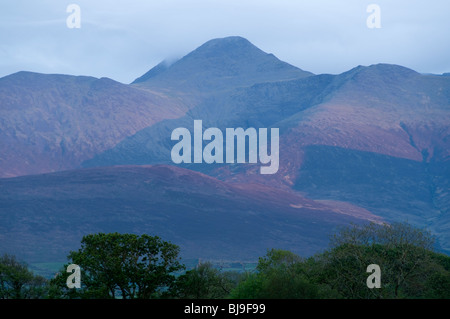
(250, 288)
(205, 282)
(124, 266)
(437, 285)
(18, 282)
(409, 267)
(281, 275)
(130, 266)
(402, 252)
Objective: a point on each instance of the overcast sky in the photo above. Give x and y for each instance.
(122, 39)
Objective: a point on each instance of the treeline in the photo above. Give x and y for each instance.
(129, 266)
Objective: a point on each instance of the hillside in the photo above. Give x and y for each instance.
(54, 122)
(45, 216)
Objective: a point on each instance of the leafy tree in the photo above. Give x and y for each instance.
(280, 275)
(124, 266)
(437, 284)
(18, 282)
(409, 267)
(205, 282)
(402, 252)
(278, 258)
(252, 287)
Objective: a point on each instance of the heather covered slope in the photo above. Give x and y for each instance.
(45, 216)
(55, 122)
(394, 188)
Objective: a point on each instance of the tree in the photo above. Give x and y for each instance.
(401, 250)
(124, 266)
(18, 282)
(278, 258)
(205, 282)
(437, 284)
(409, 267)
(280, 275)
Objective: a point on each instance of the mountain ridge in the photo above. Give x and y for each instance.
(369, 143)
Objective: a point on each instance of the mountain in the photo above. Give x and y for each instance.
(384, 109)
(45, 216)
(55, 122)
(377, 137)
(51, 122)
(371, 143)
(220, 64)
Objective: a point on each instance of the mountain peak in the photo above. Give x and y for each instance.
(376, 75)
(383, 69)
(221, 63)
(228, 45)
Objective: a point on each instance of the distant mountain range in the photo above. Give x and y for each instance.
(372, 143)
